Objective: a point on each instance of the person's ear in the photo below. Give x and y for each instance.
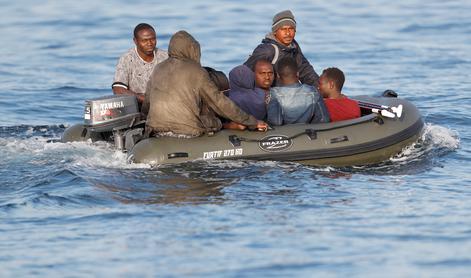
(331, 84)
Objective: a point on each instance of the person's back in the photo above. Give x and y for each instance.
(177, 89)
(340, 107)
(293, 102)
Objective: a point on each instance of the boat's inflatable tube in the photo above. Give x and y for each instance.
(370, 139)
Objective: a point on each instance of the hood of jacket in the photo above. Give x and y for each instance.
(241, 78)
(183, 46)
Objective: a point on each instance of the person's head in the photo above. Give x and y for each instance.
(218, 78)
(241, 78)
(331, 82)
(264, 74)
(182, 45)
(145, 39)
(287, 71)
(284, 27)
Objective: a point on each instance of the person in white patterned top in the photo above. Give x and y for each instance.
(135, 66)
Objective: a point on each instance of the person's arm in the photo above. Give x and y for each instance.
(321, 114)
(307, 74)
(234, 125)
(262, 51)
(121, 80)
(274, 113)
(223, 106)
(146, 101)
(123, 91)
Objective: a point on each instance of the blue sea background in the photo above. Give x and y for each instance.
(79, 210)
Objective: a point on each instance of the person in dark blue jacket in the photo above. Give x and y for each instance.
(246, 95)
(243, 92)
(280, 43)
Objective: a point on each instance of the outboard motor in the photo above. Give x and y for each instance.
(116, 114)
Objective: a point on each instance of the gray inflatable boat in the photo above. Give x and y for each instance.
(387, 126)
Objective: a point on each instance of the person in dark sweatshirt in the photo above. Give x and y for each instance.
(280, 43)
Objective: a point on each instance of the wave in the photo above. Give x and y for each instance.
(435, 142)
(73, 88)
(28, 131)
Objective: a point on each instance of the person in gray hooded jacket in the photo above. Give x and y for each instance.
(179, 88)
(280, 43)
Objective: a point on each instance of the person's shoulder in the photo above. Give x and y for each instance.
(277, 91)
(128, 55)
(264, 47)
(349, 100)
(130, 52)
(197, 71)
(266, 44)
(161, 54)
(309, 88)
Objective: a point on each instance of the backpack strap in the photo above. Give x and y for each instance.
(277, 54)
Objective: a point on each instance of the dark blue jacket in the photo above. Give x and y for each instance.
(265, 50)
(244, 93)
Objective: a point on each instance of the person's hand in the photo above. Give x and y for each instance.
(140, 98)
(234, 125)
(262, 126)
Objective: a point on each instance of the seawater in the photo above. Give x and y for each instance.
(79, 210)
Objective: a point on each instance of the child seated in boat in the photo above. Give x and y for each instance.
(340, 107)
(292, 102)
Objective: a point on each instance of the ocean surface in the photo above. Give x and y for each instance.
(79, 210)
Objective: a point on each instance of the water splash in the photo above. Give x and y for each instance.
(435, 141)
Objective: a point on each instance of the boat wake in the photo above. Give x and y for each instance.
(434, 143)
(43, 173)
(37, 143)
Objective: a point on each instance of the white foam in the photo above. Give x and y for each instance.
(442, 136)
(434, 138)
(88, 154)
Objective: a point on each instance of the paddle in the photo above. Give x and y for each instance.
(390, 112)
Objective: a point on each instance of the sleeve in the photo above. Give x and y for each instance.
(122, 74)
(274, 113)
(321, 115)
(262, 51)
(222, 105)
(307, 74)
(146, 103)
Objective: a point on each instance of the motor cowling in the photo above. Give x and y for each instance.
(110, 113)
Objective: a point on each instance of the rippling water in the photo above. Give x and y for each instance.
(79, 209)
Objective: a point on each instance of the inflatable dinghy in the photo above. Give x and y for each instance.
(387, 126)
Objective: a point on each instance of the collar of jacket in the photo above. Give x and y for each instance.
(294, 85)
(270, 38)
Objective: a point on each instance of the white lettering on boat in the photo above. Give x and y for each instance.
(105, 107)
(222, 153)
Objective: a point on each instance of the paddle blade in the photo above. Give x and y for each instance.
(398, 110)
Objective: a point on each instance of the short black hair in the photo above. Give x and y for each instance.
(287, 67)
(261, 60)
(142, 26)
(335, 75)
